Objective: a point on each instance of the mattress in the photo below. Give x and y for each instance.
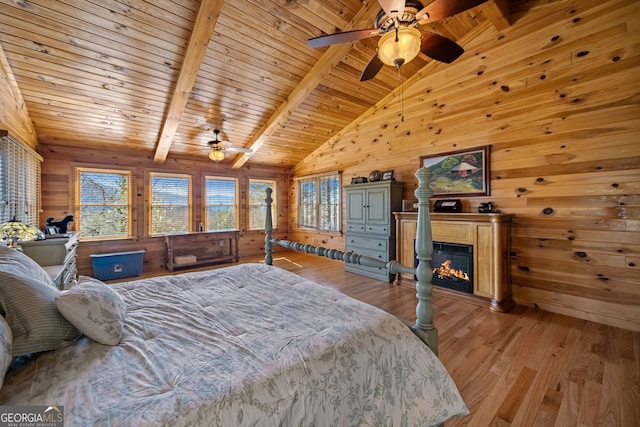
(244, 345)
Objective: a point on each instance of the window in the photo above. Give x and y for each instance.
(103, 203)
(319, 205)
(221, 203)
(257, 205)
(19, 182)
(170, 206)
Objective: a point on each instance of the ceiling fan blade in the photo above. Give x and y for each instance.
(440, 48)
(392, 7)
(347, 36)
(372, 68)
(441, 9)
(238, 150)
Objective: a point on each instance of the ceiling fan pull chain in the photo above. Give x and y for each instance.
(401, 95)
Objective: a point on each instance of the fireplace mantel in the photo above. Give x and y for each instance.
(490, 236)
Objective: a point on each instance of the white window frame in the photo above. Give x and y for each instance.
(260, 202)
(177, 226)
(208, 197)
(317, 204)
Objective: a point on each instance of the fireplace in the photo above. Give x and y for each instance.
(488, 235)
(452, 266)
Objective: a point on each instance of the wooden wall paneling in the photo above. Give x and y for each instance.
(57, 189)
(558, 103)
(14, 116)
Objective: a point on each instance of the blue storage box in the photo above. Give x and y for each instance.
(117, 265)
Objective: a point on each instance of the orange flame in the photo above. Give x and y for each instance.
(445, 271)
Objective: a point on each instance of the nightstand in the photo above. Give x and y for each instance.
(57, 255)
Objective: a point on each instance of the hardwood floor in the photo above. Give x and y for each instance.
(521, 368)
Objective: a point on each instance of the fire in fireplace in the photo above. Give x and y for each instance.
(452, 266)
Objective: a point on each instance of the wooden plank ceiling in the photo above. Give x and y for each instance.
(160, 75)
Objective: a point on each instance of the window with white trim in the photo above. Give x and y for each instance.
(319, 202)
(257, 204)
(19, 182)
(103, 203)
(221, 203)
(170, 208)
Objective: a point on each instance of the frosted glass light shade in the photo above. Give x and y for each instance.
(216, 154)
(398, 52)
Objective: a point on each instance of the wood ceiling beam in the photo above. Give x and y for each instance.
(499, 13)
(327, 61)
(202, 30)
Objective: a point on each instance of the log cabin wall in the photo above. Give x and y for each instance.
(57, 197)
(557, 96)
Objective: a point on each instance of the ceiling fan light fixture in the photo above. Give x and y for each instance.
(216, 154)
(401, 50)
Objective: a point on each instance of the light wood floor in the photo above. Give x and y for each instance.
(522, 368)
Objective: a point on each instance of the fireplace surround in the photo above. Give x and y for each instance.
(489, 236)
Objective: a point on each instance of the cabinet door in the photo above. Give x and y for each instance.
(356, 206)
(378, 211)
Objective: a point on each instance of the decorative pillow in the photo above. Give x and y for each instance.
(95, 309)
(17, 263)
(27, 302)
(6, 340)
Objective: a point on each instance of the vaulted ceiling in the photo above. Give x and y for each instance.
(160, 75)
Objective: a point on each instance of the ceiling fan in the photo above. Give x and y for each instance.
(218, 149)
(401, 41)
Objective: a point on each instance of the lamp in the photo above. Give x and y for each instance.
(15, 231)
(216, 154)
(400, 46)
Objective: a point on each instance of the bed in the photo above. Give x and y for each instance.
(245, 345)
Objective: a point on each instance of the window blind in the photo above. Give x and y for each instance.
(170, 203)
(319, 202)
(20, 190)
(257, 204)
(103, 203)
(221, 205)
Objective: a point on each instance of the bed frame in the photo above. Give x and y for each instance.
(423, 326)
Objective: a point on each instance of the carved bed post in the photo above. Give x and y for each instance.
(424, 327)
(268, 229)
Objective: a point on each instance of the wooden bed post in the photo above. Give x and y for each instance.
(424, 326)
(268, 229)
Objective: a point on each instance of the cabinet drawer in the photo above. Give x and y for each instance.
(372, 253)
(368, 228)
(377, 229)
(69, 275)
(370, 243)
(359, 228)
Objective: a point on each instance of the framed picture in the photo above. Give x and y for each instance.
(387, 176)
(50, 230)
(459, 173)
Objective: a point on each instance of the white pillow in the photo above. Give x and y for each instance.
(27, 302)
(6, 341)
(95, 309)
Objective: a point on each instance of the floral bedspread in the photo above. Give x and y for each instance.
(247, 345)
